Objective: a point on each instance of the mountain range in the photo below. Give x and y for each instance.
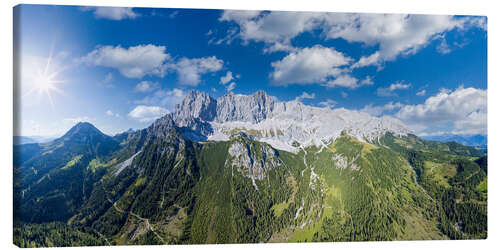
(478, 141)
(18, 140)
(248, 169)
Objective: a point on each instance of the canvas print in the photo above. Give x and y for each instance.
(150, 126)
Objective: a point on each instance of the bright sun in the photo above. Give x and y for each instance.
(45, 80)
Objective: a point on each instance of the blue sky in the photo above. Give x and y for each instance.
(121, 68)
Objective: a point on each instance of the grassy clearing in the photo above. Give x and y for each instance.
(73, 161)
(278, 209)
(483, 186)
(440, 172)
(140, 181)
(96, 163)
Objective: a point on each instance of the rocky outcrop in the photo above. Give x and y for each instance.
(253, 160)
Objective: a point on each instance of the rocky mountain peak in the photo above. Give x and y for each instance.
(280, 124)
(196, 104)
(162, 127)
(247, 108)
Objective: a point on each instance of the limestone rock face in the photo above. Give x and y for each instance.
(244, 108)
(253, 162)
(284, 125)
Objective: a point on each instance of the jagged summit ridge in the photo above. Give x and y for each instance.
(230, 107)
(281, 124)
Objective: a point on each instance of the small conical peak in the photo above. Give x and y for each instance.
(83, 128)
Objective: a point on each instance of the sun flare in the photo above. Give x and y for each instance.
(45, 80)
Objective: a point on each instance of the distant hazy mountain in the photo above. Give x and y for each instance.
(479, 141)
(18, 140)
(248, 168)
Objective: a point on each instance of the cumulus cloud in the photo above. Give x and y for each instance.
(379, 110)
(132, 62)
(189, 71)
(305, 95)
(367, 60)
(367, 81)
(164, 98)
(329, 103)
(144, 113)
(146, 86)
(464, 109)
(317, 64)
(113, 13)
(275, 28)
(343, 80)
(227, 78)
(139, 61)
(389, 91)
(394, 34)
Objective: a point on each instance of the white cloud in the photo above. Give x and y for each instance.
(132, 62)
(367, 81)
(276, 28)
(239, 16)
(344, 94)
(305, 95)
(443, 47)
(146, 86)
(394, 34)
(328, 103)
(227, 78)
(189, 71)
(111, 113)
(147, 113)
(317, 64)
(113, 13)
(445, 90)
(379, 110)
(164, 98)
(389, 91)
(343, 80)
(422, 92)
(464, 109)
(141, 60)
(231, 87)
(367, 60)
